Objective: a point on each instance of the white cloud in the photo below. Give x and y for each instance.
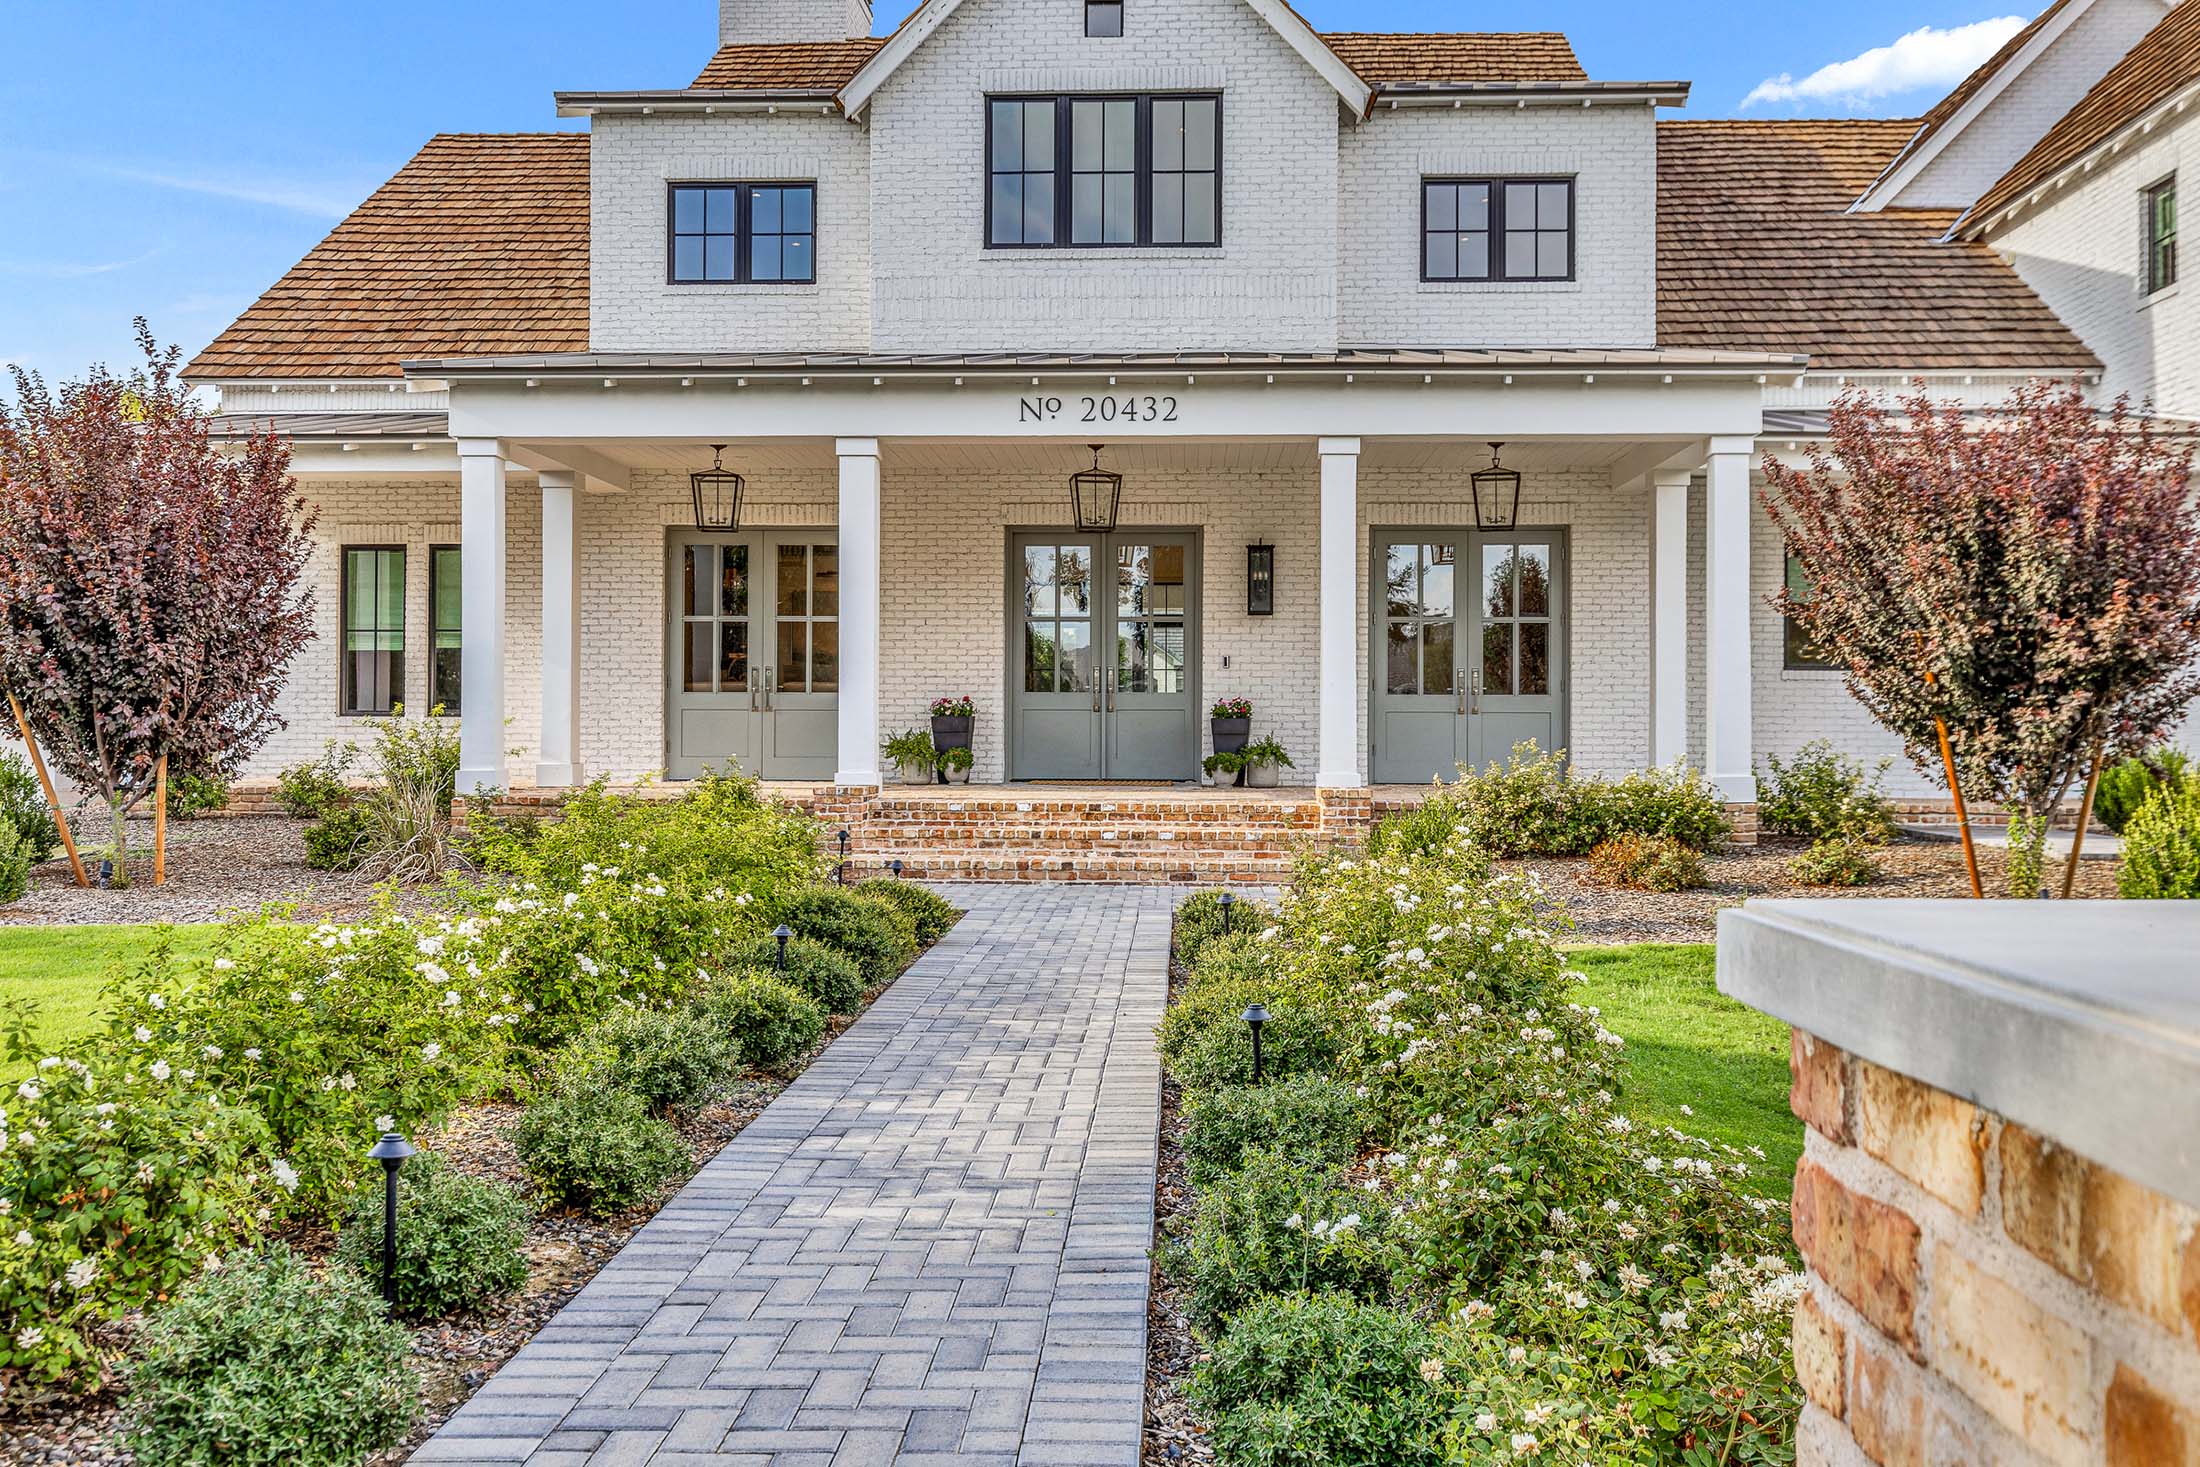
(71, 269)
(319, 200)
(1926, 57)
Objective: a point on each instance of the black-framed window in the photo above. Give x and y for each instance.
(743, 234)
(1798, 652)
(2161, 235)
(446, 624)
(373, 640)
(1097, 171)
(1104, 18)
(1497, 229)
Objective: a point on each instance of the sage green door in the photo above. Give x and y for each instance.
(754, 653)
(1469, 655)
(1104, 638)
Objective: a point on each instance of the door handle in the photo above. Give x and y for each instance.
(1111, 700)
(767, 689)
(1474, 684)
(1096, 697)
(1459, 681)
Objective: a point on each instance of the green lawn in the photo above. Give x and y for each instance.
(62, 969)
(1688, 1044)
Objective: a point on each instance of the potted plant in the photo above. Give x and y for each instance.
(1231, 723)
(951, 722)
(913, 755)
(955, 762)
(1265, 760)
(1227, 767)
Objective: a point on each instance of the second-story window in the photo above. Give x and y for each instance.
(2161, 235)
(1102, 171)
(1497, 229)
(744, 233)
(1103, 18)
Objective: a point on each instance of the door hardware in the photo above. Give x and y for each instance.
(1474, 683)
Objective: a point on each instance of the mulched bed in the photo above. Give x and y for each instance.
(1912, 868)
(1174, 1433)
(215, 867)
(454, 1356)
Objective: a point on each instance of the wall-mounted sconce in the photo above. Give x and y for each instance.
(1260, 580)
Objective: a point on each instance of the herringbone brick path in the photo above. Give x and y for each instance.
(930, 1249)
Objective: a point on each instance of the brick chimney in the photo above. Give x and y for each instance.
(752, 22)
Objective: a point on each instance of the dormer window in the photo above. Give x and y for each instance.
(1103, 171)
(743, 234)
(1497, 229)
(1104, 18)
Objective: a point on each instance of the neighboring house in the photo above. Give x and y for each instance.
(1298, 288)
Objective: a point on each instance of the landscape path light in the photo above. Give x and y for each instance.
(895, 867)
(1256, 1014)
(782, 932)
(391, 1150)
(841, 875)
(1227, 902)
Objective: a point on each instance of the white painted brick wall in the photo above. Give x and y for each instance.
(1272, 285)
(753, 21)
(1610, 152)
(2025, 109)
(631, 304)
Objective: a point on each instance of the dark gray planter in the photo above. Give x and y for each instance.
(952, 731)
(1231, 734)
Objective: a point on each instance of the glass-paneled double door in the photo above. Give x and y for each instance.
(753, 647)
(1104, 655)
(1470, 650)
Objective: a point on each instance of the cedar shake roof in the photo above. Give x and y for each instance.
(1756, 251)
(1385, 59)
(479, 245)
(1946, 107)
(791, 66)
(2166, 60)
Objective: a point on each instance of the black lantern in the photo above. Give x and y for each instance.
(782, 932)
(840, 873)
(391, 1150)
(1256, 1014)
(895, 867)
(717, 492)
(1260, 580)
(1228, 903)
(1496, 495)
(1095, 495)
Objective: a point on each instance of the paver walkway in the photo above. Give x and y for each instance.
(931, 1248)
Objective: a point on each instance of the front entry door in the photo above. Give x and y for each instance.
(1105, 657)
(754, 641)
(1470, 649)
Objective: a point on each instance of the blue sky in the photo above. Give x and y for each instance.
(175, 160)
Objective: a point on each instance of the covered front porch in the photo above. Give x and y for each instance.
(906, 532)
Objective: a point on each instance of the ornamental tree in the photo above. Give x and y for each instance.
(149, 581)
(2041, 564)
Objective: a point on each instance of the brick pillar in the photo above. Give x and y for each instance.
(1743, 819)
(1347, 815)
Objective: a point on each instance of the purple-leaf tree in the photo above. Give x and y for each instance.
(2042, 562)
(149, 580)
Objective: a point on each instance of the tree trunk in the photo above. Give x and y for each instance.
(121, 842)
(2027, 867)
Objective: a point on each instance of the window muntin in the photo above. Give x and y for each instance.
(445, 623)
(2161, 235)
(1103, 19)
(1798, 652)
(1497, 229)
(372, 672)
(743, 234)
(1102, 171)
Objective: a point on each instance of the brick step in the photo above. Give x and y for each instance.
(1043, 865)
(872, 835)
(1222, 812)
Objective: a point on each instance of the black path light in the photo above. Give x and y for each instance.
(782, 932)
(717, 494)
(391, 1150)
(1496, 495)
(1228, 903)
(841, 875)
(1256, 1014)
(1095, 494)
(895, 867)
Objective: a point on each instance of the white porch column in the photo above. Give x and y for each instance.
(559, 763)
(1338, 766)
(481, 607)
(1668, 616)
(859, 611)
(1728, 759)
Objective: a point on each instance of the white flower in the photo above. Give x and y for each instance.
(385, 1123)
(223, 965)
(82, 1272)
(1577, 1300)
(348, 1082)
(142, 1034)
(1584, 1269)
(1688, 1110)
(160, 1069)
(430, 1050)
(1294, 1222)
(1633, 1279)
(1517, 1355)
(451, 999)
(212, 1051)
(29, 1339)
(286, 1175)
(1485, 1422)
(23, 1238)
(743, 900)
(29, 1090)
(156, 1001)
(1673, 1319)
(296, 996)
(1652, 1165)
(1432, 1370)
(252, 1053)
(1523, 1441)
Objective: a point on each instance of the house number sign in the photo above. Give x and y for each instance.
(1129, 407)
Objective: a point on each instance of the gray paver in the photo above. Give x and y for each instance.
(930, 1249)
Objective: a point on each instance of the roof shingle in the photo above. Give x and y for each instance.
(1756, 251)
(1392, 59)
(478, 245)
(793, 66)
(2166, 60)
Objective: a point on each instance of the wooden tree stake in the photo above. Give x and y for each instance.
(2085, 817)
(53, 801)
(160, 820)
(1955, 790)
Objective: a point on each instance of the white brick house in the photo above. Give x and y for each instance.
(1295, 285)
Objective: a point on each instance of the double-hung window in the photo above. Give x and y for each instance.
(2161, 235)
(1497, 229)
(1797, 651)
(445, 626)
(373, 665)
(1103, 171)
(743, 234)
(1104, 18)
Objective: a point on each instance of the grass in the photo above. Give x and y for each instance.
(62, 969)
(1690, 1045)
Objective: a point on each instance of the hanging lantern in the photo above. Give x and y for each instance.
(1095, 495)
(717, 492)
(1496, 495)
(1260, 580)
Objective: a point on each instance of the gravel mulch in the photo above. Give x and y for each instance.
(215, 867)
(1174, 1432)
(1910, 868)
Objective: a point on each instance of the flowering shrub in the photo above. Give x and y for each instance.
(1532, 805)
(459, 1239)
(959, 706)
(1277, 1225)
(1231, 708)
(1315, 1378)
(1646, 863)
(1824, 794)
(1308, 1116)
(768, 1022)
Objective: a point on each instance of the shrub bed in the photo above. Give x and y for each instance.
(1533, 804)
(1432, 1236)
